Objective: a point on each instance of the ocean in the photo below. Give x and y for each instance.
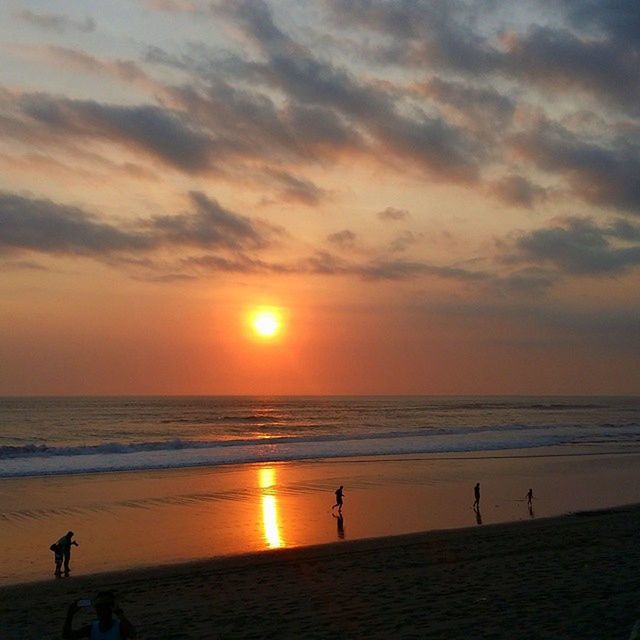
(70, 435)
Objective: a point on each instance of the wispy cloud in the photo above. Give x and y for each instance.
(392, 213)
(210, 225)
(39, 225)
(57, 22)
(597, 173)
(344, 239)
(154, 130)
(581, 246)
(517, 190)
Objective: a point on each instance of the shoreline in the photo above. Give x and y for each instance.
(133, 519)
(548, 451)
(313, 551)
(574, 575)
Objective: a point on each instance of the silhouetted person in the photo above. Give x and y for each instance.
(58, 558)
(339, 496)
(106, 627)
(530, 498)
(63, 552)
(340, 523)
(476, 494)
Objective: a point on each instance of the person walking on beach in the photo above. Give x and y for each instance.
(339, 495)
(105, 627)
(476, 494)
(63, 552)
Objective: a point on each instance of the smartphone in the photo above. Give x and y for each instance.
(84, 603)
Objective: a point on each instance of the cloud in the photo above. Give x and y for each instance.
(483, 108)
(56, 22)
(603, 175)
(42, 225)
(458, 105)
(126, 71)
(320, 131)
(624, 230)
(590, 46)
(531, 280)
(174, 6)
(325, 263)
(429, 141)
(21, 265)
(517, 190)
(573, 246)
(211, 225)
(38, 225)
(296, 189)
(559, 59)
(403, 241)
(250, 124)
(239, 263)
(580, 246)
(422, 33)
(34, 225)
(343, 239)
(29, 224)
(154, 130)
(620, 19)
(391, 213)
(404, 269)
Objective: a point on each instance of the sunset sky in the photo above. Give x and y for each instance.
(435, 196)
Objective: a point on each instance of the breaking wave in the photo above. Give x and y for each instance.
(39, 459)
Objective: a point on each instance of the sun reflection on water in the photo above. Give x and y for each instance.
(267, 480)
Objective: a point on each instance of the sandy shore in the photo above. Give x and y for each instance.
(136, 519)
(576, 576)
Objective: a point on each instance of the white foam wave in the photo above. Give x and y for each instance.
(31, 460)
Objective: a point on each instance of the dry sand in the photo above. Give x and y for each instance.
(576, 576)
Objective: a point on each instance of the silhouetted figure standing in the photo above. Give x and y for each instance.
(106, 627)
(476, 494)
(530, 498)
(339, 496)
(63, 552)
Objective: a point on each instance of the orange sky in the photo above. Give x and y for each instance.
(440, 198)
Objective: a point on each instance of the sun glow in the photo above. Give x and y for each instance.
(266, 322)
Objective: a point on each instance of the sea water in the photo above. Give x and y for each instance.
(65, 435)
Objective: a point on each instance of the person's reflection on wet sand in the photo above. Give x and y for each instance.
(531, 513)
(478, 516)
(340, 524)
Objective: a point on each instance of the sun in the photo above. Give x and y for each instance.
(266, 323)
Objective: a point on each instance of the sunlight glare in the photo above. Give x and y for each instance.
(266, 323)
(266, 480)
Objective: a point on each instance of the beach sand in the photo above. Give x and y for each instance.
(576, 576)
(137, 519)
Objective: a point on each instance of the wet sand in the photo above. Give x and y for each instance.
(577, 576)
(138, 519)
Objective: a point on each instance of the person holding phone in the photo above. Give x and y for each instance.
(106, 627)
